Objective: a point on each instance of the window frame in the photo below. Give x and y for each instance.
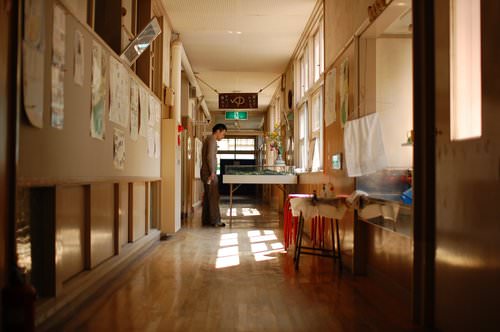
(303, 137)
(307, 90)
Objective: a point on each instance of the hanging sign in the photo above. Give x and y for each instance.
(238, 100)
(234, 115)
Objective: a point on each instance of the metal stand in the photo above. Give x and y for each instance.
(334, 253)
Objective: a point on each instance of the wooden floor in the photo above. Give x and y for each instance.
(237, 279)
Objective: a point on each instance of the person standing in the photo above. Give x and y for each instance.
(211, 213)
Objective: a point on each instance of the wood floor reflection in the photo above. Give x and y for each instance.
(237, 279)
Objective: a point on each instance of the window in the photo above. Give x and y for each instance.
(310, 118)
(304, 72)
(317, 129)
(235, 148)
(318, 53)
(465, 71)
(303, 133)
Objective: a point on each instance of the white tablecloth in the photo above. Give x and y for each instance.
(335, 210)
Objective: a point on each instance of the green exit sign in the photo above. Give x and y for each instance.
(236, 115)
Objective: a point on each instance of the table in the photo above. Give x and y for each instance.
(280, 180)
(326, 208)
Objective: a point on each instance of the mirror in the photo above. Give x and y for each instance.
(141, 42)
(386, 87)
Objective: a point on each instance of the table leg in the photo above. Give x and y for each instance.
(339, 252)
(231, 205)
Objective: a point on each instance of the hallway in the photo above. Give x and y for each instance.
(384, 110)
(237, 279)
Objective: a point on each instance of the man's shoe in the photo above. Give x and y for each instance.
(220, 224)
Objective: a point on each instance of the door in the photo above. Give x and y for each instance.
(467, 255)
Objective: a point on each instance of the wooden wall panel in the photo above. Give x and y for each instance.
(4, 155)
(102, 214)
(70, 231)
(138, 213)
(390, 254)
(123, 214)
(342, 19)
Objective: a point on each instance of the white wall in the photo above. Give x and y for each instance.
(394, 97)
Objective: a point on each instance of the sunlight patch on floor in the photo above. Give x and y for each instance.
(244, 212)
(222, 262)
(258, 247)
(264, 246)
(261, 242)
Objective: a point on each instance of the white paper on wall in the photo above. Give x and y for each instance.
(118, 149)
(134, 110)
(99, 89)
(57, 71)
(157, 145)
(330, 91)
(78, 69)
(344, 91)
(33, 78)
(59, 37)
(57, 101)
(153, 105)
(151, 142)
(34, 22)
(143, 111)
(119, 89)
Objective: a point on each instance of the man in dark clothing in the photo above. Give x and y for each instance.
(211, 212)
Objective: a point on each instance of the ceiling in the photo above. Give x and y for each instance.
(239, 46)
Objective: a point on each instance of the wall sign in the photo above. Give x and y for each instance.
(234, 115)
(238, 100)
(337, 161)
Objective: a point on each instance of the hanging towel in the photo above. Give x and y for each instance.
(363, 145)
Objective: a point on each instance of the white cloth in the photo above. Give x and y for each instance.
(364, 146)
(387, 211)
(309, 210)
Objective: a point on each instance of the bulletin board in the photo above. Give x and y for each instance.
(49, 155)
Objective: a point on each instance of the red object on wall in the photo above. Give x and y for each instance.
(180, 129)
